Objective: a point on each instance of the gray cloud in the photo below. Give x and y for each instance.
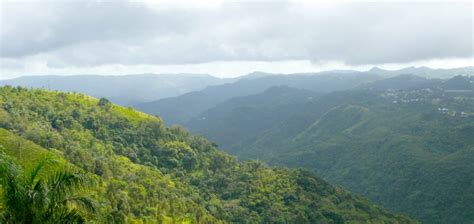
(90, 33)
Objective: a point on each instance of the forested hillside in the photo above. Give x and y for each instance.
(150, 173)
(406, 143)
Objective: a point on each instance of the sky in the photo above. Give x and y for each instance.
(230, 38)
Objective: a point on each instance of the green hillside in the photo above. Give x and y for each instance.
(150, 173)
(26, 152)
(407, 146)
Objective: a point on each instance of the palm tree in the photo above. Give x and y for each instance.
(42, 194)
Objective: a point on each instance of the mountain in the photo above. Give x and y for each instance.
(425, 72)
(401, 82)
(405, 142)
(149, 173)
(256, 75)
(180, 109)
(124, 90)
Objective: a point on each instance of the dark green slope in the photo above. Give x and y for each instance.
(151, 173)
(279, 112)
(404, 145)
(395, 158)
(248, 116)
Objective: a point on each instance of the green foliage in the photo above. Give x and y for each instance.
(42, 194)
(150, 173)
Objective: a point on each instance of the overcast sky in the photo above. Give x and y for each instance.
(229, 38)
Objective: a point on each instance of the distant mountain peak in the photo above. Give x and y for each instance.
(377, 69)
(257, 74)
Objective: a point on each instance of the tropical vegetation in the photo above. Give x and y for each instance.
(148, 173)
(43, 194)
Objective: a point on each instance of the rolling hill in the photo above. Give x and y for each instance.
(150, 173)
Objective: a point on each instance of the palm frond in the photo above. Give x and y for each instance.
(39, 167)
(8, 168)
(68, 215)
(38, 196)
(42, 197)
(64, 182)
(63, 186)
(13, 192)
(82, 202)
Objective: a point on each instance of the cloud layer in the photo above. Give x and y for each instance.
(95, 33)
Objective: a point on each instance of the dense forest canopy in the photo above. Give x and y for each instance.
(151, 173)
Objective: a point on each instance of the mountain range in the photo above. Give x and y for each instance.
(141, 90)
(180, 109)
(405, 142)
(124, 90)
(403, 139)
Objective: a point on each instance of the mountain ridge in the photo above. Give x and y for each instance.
(366, 138)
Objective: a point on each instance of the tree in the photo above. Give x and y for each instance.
(42, 194)
(104, 103)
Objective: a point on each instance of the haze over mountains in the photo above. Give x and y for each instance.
(124, 90)
(178, 110)
(141, 89)
(182, 108)
(401, 138)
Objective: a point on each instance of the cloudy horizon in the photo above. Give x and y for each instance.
(230, 38)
